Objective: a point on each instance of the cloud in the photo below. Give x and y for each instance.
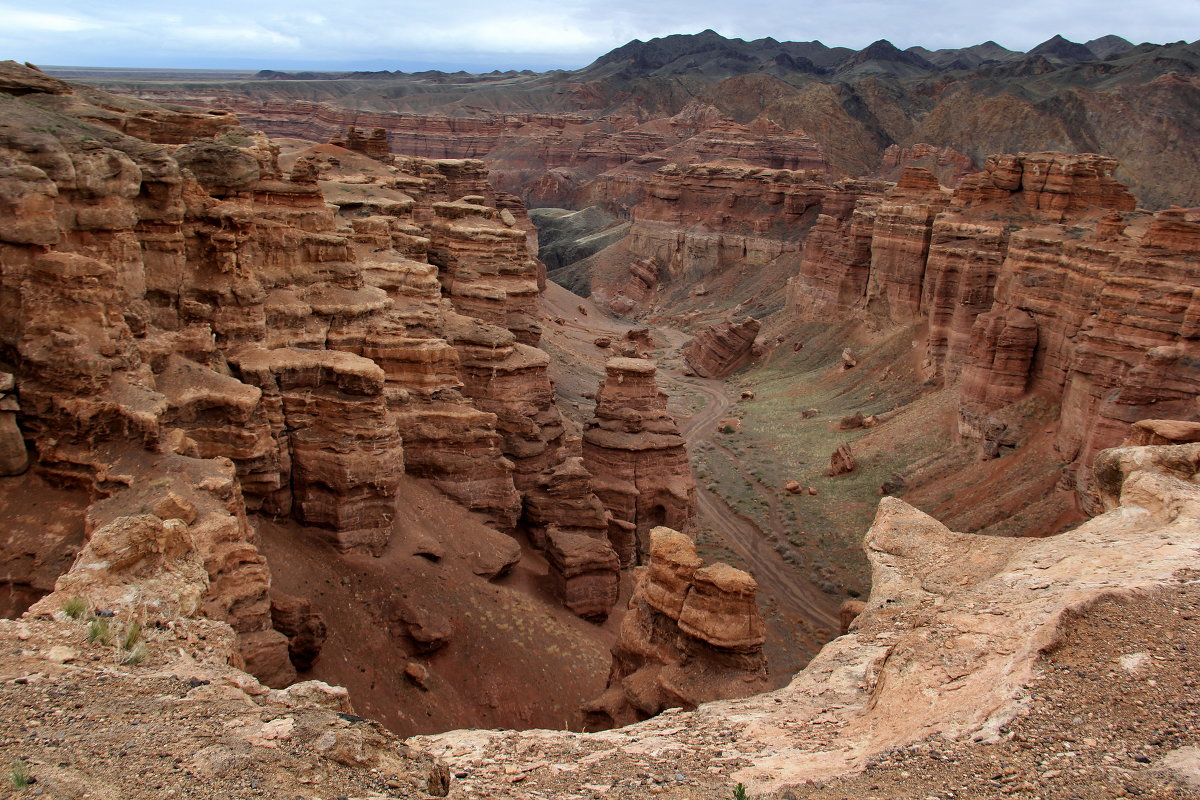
(37, 22)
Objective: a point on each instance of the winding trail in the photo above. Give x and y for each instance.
(775, 576)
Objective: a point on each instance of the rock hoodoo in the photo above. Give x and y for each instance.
(692, 633)
(637, 458)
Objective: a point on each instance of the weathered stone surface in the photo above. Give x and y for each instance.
(304, 628)
(1161, 431)
(586, 572)
(842, 461)
(721, 610)
(946, 646)
(692, 633)
(636, 456)
(13, 456)
(1036, 278)
(346, 453)
(720, 349)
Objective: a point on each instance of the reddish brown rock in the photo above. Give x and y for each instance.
(637, 458)
(948, 165)
(692, 633)
(849, 611)
(1161, 432)
(720, 349)
(1053, 186)
(304, 628)
(842, 461)
(13, 456)
(586, 572)
(851, 422)
(374, 145)
(346, 453)
(900, 245)
(562, 497)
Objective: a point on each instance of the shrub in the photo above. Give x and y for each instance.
(136, 655)
(19, 775)
(75, 607)
(133, 635)
(98, 631)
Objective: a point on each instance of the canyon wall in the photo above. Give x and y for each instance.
(198, 329)
(1037, 276)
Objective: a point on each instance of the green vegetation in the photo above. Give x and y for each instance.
(98, 631)
(19, 775)
(132, 636)
(75, 607)
(739, 792)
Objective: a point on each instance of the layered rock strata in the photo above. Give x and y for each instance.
(13, 456)
(1035, 275)
(692, 633)
(195, 308)
(720, 349)
(945, 648)
(638, 460)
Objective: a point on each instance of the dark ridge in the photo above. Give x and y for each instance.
(1063, 49)
(1108, 46)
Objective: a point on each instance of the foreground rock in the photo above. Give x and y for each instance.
(692, 633)
(943, 651)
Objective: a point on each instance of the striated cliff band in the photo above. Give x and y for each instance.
(566, 138)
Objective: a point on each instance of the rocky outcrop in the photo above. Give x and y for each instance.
(945, 648)
(637, 458)
(567, 520)
(720, 349)
(196, 333)
(947, 164)
(485, 267)
(693, 633)
(585, 572)
(900, 241)
(346, 456)
(842, 462)
(13, 456)
(375, 145)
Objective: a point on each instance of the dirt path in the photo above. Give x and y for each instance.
(776, 578)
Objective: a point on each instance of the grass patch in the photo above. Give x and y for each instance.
(75, 607)
(19, 775)
(98, 631)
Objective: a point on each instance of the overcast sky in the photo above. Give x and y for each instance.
(538, 34)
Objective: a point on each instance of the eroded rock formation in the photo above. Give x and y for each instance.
(720, 349)
(945, 648)
(692, 633)
(1035, 276)
(194, 331)
(637, 458)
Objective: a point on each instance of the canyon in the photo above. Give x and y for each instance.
(311, 410)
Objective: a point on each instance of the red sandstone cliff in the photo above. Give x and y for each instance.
(198, 332)
(1035, 276)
